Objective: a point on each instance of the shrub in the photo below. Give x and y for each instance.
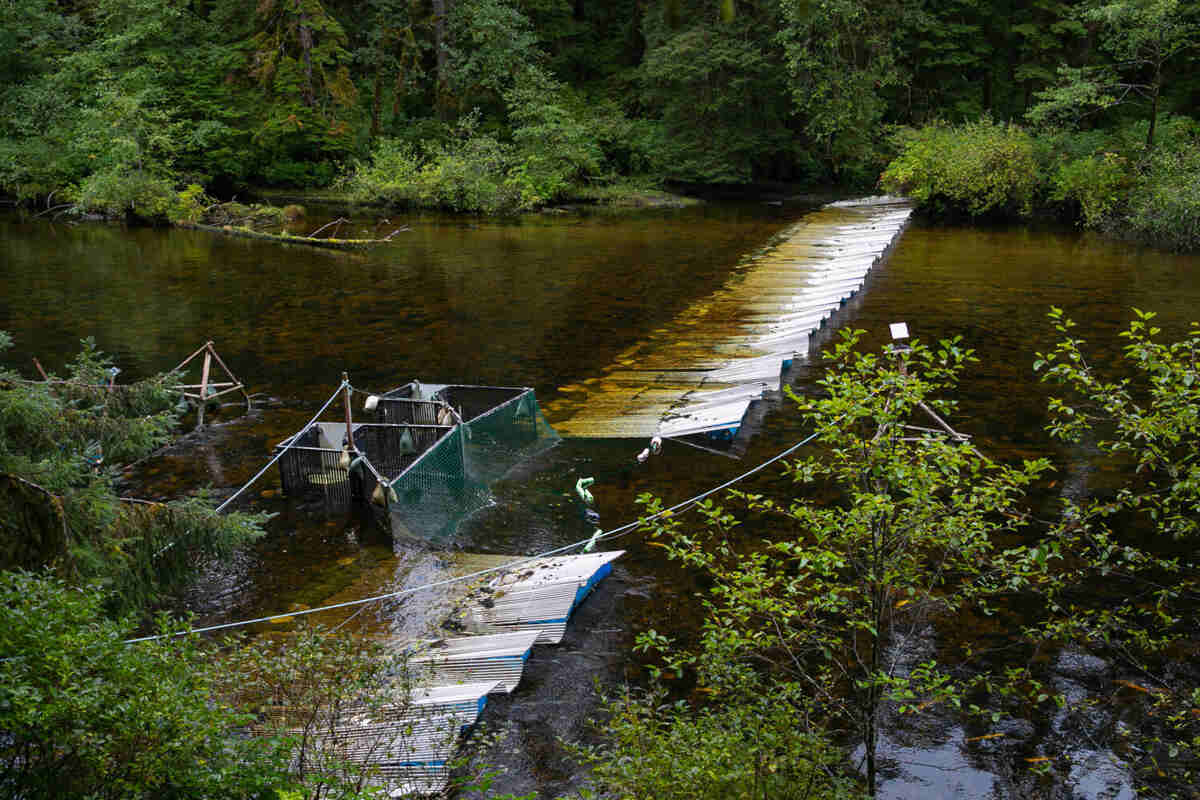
(471, 175)
(468, 174)
(744, 747)
(1165, 206)
(979, 169)
(390, 176)
(85, 715)
(1098, 185)
(556, 144)
(138, 195)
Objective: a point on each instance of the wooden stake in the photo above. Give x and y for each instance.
(945, 425)
(187, 360)
(346, 398)
(204, 386)
(41, 371)
(229, 373)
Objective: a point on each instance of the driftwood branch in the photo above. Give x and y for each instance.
(283, 238)
(337, 221)
(53, 208)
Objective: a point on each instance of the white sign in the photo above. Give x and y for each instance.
(899, 330)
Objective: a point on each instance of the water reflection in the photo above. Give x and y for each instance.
(547, 302)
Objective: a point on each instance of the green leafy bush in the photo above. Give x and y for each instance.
(138, 195)
(1097, 184)
(1165, 206)
(556, 148)
(468, 173)
(978, 169)
(85, 715)
(745, 747)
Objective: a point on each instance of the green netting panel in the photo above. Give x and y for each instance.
(449, 482)
(508, 433)
(430, 498)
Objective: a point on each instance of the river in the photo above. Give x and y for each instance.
(548, 301)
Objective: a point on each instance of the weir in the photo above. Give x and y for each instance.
(469, 621)
(697, 375)
(488, 628)
(700, 373)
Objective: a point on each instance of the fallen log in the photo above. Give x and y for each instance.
(289, 238)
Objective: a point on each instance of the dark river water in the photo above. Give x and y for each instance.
(547, 301)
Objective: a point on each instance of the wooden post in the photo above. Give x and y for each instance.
(204, 388)
(229, 373)
(199, 350)
(41, 371)
(346, 399)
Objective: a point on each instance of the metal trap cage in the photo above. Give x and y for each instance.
(424, 461)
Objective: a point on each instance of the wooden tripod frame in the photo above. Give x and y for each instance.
(207, 390)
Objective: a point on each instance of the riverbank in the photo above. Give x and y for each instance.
(1116, 182)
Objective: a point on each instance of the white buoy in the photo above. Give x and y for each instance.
(642, 456)
(372, 403)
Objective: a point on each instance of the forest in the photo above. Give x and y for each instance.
(142, 108)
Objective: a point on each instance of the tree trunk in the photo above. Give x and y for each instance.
(306, 46)
(441, 44)
(376, 103)
(1156, 89)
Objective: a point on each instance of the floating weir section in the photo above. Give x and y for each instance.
(423, 461)
(700, 373)
(409, 747)
(424, 457)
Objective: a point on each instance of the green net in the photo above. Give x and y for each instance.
(427, 461)
(449, 481)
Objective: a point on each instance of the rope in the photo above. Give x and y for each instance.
(615, 532)
(284, 449)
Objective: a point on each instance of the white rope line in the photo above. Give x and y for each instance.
(619, 531)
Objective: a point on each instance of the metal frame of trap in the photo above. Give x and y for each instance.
(411, 422)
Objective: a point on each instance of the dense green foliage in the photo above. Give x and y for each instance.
(118, 105)
(1105, 180)
(60, 441)
(1108, 141)
(896, 535)
(980, 168)
(85, 715)
(750, 744)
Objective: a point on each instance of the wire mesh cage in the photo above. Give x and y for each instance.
(418, 463)
(311, 472)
